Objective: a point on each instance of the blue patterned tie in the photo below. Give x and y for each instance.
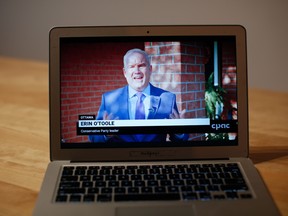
(140, 109)
(140, 113)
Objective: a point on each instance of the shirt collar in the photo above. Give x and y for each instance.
(132, 91)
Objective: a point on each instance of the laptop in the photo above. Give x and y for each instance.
(181, 148)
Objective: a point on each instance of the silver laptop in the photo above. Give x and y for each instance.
(150, 120)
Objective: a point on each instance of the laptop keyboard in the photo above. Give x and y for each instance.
(151, 183)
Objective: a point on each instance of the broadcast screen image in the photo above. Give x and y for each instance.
(156, 91)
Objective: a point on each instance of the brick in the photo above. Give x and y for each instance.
(172, 87)
(176, 77)
(176, 58)
(161, 59)
(68, 101)
(151, 50)
(200, 77)
(194, 68)
(192, 50)
(188, 77)
(170, 49)
(194, 105)
(188, 96)
(188, 59)
(200, 95)
(200, 60)
(74, 106)
(193, 87)
(87, 105)
(201, 113)
(170, 68)
(156, 77)
(190, 114)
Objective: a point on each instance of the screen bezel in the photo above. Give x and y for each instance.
(138, 154)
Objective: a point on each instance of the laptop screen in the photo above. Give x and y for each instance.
(148, 91)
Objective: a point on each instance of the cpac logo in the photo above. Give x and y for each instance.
(220, 126)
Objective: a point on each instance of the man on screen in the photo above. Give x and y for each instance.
(138, 100)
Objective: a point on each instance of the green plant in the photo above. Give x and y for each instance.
(213, 96)
(214, 99)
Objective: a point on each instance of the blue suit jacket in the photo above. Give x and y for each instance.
(162, 104)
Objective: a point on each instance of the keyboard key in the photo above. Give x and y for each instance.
(199, 188)
(178, 182)
(123, 177)
(213, 188)
(232, 195)
(161, 176)
(62, 191)
(106, 190)
(104, 198)
(174, 176)
(234, 187)
(190, 196)
(126, 183)
(205, 196)
(160, 189)
(100, 184)
(152, 183)
(93, 190)
(146, 190)
(87, 184)
(61, 198)
(69, 184)
(69, 178)
(113, 184)
(191, 182)
(173, 189)
(142, 171)
(89, 198)
(68, 171)
(219, 196)
(149, 177)
(120, 190)
(165, 183)
(139, 184)
(98, 178)
(146, 197)
(133, 190)
(75, 198)
(110, 177)
(85, 178)
(136, 177)
(186, 188)
(186, 176)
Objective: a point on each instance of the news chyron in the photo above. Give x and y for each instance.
(89, 125)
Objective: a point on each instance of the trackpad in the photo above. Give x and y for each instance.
(181, 210)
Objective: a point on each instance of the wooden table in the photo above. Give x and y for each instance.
(24, 136)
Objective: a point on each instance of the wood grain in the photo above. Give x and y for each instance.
(24, 136)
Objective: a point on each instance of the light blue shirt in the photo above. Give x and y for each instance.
(133, 99)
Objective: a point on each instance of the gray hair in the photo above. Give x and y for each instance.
(136, 50)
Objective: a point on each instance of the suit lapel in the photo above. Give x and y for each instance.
(124, 105)
(154, 101)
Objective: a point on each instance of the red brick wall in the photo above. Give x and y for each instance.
(179, 67)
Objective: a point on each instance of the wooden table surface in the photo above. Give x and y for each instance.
(24, 136)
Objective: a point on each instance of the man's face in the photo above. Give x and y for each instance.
(137, 72)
